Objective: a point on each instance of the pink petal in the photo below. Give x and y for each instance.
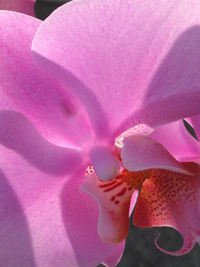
(45, 221)
(141, 152)
(125, 65)
(115, 257)
(178, 141)
(113, 198)
(170, 199)
(23, 6)
(18, 134)
(30, 209)
(25, 88)
(80, 214)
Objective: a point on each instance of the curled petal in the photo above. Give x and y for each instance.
(141, 152)
(125, 66)
(188, 244)
(169, 199)
(178, 141)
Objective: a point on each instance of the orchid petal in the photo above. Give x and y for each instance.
(23, 6)
(178, 141)
(31, 231)
(80, 214)
(125, 66)
(115, 257)
(26, 89)
(141, 152)
(169, 199)
(114, 199)
(45, 221)
(18, 134)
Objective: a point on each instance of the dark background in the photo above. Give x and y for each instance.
(140, 250)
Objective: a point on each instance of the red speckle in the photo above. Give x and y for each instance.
(112, 198)
(113, 187)
(107, 184)
(122, 192)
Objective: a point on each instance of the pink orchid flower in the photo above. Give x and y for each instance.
(84, 110)
(24, 6)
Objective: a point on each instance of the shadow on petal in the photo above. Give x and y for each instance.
(15, 240)
(80, 215)
(18, 134)
(173, 92)
(90, 102)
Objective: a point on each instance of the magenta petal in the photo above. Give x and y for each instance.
(115, 257)
(18, 134)
(31, 226)
(141, 152)
(125, 65)
(23, 6)
(24, 88)
(45, 221)
(115, 202)
(178, 141)
(80, 214)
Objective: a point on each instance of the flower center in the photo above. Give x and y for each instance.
(130, 180)
(135, 179)
(106, 165)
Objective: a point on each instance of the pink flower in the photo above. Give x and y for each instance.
(104, 73)
(165, 167)
(24, 6)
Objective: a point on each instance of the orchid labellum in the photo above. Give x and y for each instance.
(24, 6)
(91, 106)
